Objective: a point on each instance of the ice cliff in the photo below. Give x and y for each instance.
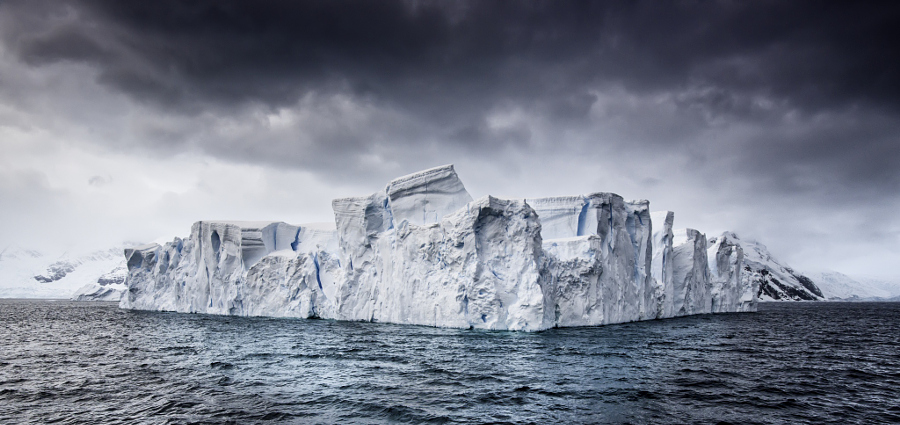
(422, 251)
(730, 293)
(597, 258)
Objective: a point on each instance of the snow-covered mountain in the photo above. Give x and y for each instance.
(838, 286)
(29, 273)
(777, 282)
(109, 287)
(891, 286)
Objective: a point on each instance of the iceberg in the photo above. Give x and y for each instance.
(422, 251)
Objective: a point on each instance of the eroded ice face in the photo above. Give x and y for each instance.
(423, 252)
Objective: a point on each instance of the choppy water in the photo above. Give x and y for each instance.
(790, 363)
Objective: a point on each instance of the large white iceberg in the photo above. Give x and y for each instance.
(422, 251)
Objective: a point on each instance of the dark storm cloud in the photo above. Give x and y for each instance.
(427, 74)
(812, 53)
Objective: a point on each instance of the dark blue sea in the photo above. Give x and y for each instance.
(814, 363)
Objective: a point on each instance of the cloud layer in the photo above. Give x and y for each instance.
(775, 119)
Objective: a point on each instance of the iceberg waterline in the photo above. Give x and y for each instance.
(422, 251)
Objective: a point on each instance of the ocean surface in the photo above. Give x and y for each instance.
(815, 363)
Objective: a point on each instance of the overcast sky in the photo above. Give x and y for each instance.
(131, 120)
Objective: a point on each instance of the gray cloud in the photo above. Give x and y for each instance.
(99, 181)
(758, 109)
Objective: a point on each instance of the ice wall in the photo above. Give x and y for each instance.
(690, 274)
(598, 256)
(662, 267)
(206, 272)
(561, 216)
(478, 267)
(421, 251)
(638, 224)
(726, 258)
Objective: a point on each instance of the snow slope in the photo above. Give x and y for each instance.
(776, 281)
(27, 273)
(892, 287)
(838, 286)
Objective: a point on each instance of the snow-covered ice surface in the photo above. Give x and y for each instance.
(424, 197)
(422, 251)
(28, 273)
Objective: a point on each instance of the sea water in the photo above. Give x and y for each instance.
(69, 362)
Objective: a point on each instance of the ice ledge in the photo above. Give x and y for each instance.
(426, 197)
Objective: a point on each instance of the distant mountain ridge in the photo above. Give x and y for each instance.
(30, 273)
(838, 286)
(776, 281)
(779, 282)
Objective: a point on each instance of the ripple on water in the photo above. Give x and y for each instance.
(789, 363)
